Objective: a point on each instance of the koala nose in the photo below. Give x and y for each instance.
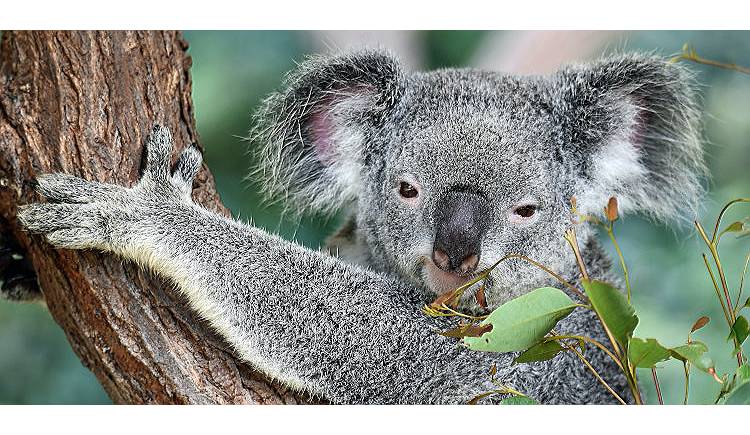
(461, 221)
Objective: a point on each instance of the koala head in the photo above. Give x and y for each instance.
(448, 171)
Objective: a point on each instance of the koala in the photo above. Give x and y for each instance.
(442, 173)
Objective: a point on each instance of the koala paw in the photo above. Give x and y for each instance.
(88, 214)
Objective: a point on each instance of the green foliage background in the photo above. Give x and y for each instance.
(232, 71)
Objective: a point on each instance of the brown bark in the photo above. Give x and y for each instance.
(83, 103)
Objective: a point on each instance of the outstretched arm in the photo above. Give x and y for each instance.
(305, 318)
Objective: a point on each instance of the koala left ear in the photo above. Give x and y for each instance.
(314, 136)
(632, 127)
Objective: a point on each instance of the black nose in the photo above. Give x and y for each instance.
(461, 221)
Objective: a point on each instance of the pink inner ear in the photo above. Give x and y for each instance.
(321, 131)
(321, 124)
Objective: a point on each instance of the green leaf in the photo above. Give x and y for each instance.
(540, 352)
(740, 330)
(740, 395)
(742, 376)
(646, 353)
(614, 309)
(695, 353)
(734, 227)
(523, 322)
(519, 400)
(746, 304)
(743, 373)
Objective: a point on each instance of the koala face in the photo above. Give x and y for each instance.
(449, 171)
(468, 175)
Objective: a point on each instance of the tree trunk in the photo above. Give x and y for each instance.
(83, 103)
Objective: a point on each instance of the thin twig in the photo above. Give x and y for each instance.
(688, 53)
(686, 365)
(720, 270)
(656, 384)
(570, 236)
(716, 287)
(742, 283)
(722, 277)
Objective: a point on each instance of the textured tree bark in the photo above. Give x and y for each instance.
(83, 103)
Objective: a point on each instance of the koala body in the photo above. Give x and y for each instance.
(443, 173)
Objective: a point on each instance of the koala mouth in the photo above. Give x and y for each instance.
(440, 281)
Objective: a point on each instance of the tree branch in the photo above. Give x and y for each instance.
(83, 103)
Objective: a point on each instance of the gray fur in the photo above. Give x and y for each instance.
(354, 333)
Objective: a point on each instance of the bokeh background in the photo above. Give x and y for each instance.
(233, 71)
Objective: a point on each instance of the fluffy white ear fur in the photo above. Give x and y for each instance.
(311, 136)
(650, 156)
(338, 141)
(616, 168)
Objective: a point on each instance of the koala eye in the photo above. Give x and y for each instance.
(523, 214)
(407, 191)
(525, 211)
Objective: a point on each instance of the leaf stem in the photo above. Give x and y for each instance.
(632, 379)
(716, 287)
(686, 365)
(570, 236)
(721, 215)
(656, 384)
(742, 284)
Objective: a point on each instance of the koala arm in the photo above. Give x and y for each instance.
(304, 318)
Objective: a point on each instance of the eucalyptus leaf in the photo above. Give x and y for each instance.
(743, 373)
(740, 330)
(540, 352)
(646, 353)
(740, 395)
(695, 353)
(519, 400)
(523, 322)
(614, 309)
(734, 227)
(700, 323)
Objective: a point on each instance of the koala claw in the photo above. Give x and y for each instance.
(88, 214)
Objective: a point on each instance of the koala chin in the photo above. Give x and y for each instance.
(442, 174)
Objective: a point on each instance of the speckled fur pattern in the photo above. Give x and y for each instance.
(340, 134)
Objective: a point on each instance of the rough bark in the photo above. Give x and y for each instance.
(83, 103)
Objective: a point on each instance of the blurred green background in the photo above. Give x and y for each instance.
(232, 71)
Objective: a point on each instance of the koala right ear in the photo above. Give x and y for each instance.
(313, 136)
(633, 132)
